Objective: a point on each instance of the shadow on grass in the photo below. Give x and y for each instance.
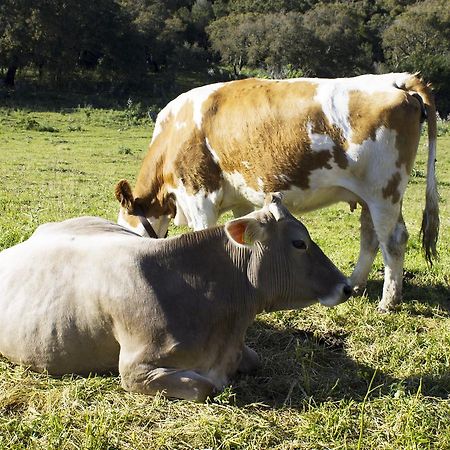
(299, 368)
(428, 295)
(154, 89)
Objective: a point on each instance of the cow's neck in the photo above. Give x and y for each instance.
(150, 181)
(230, 267)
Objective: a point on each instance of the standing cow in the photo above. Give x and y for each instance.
(87, 295)
(319, 141)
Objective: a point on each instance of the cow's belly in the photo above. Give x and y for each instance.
(300, 201)
(238, 194)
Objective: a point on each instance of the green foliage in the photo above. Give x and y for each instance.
(32, 124)
(121, 44)
(326, 41)
(341, 47)
(262, 40)
(419, 40)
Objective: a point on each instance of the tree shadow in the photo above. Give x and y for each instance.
(299, 367)
(156, 89)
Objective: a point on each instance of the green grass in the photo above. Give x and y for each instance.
(337, 378)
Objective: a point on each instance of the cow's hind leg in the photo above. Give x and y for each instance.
(367, 252)
(392, 235)
(184, 384)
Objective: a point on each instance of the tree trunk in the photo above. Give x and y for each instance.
(10, 76)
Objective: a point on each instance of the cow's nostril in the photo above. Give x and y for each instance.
(348, 290)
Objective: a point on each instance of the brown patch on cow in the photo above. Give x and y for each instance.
(391, 189)
(396, 111)
(259, 128)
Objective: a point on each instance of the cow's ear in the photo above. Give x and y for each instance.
(124, 194)
(246, 231)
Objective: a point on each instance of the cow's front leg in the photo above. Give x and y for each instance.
(393, 246)
(250, 361)
(200, 209)
(175, 383)
(137, 375)
(367, 252)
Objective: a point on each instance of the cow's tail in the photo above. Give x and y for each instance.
(430, 217)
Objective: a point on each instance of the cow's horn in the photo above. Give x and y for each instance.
(273, 197)
(275, 205)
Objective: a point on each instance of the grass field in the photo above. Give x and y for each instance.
(337, 378)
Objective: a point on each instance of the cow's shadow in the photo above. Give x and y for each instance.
(299, 367)
(430, 295)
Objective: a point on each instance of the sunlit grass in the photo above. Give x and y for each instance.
(313, 389)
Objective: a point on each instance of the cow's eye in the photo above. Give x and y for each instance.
(299, 244)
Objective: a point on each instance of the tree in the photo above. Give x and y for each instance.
(61, 37)
(419, 40)
(16, 36)
(341, 31)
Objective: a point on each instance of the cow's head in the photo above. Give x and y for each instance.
(287, 266)
(136, 213)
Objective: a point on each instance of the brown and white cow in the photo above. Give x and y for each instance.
(319, 141)
(87, 295)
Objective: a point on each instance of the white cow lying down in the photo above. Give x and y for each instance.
(88, 296)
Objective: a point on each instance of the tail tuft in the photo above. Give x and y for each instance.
(430, 218)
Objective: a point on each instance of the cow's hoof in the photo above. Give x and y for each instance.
(385, 310)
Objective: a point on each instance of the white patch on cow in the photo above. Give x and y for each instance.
(157, 129)
(198, 97)
(300, 201)
(213, 153)
(239, 185)
(171, 109)
(180, 125)
(122, 221)
(260, 183)
(375, 151)
(367, 83)
(319, 142)
(180, 218)
(376, 163)
(199, 210)
(333, 98)
(333, 94)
